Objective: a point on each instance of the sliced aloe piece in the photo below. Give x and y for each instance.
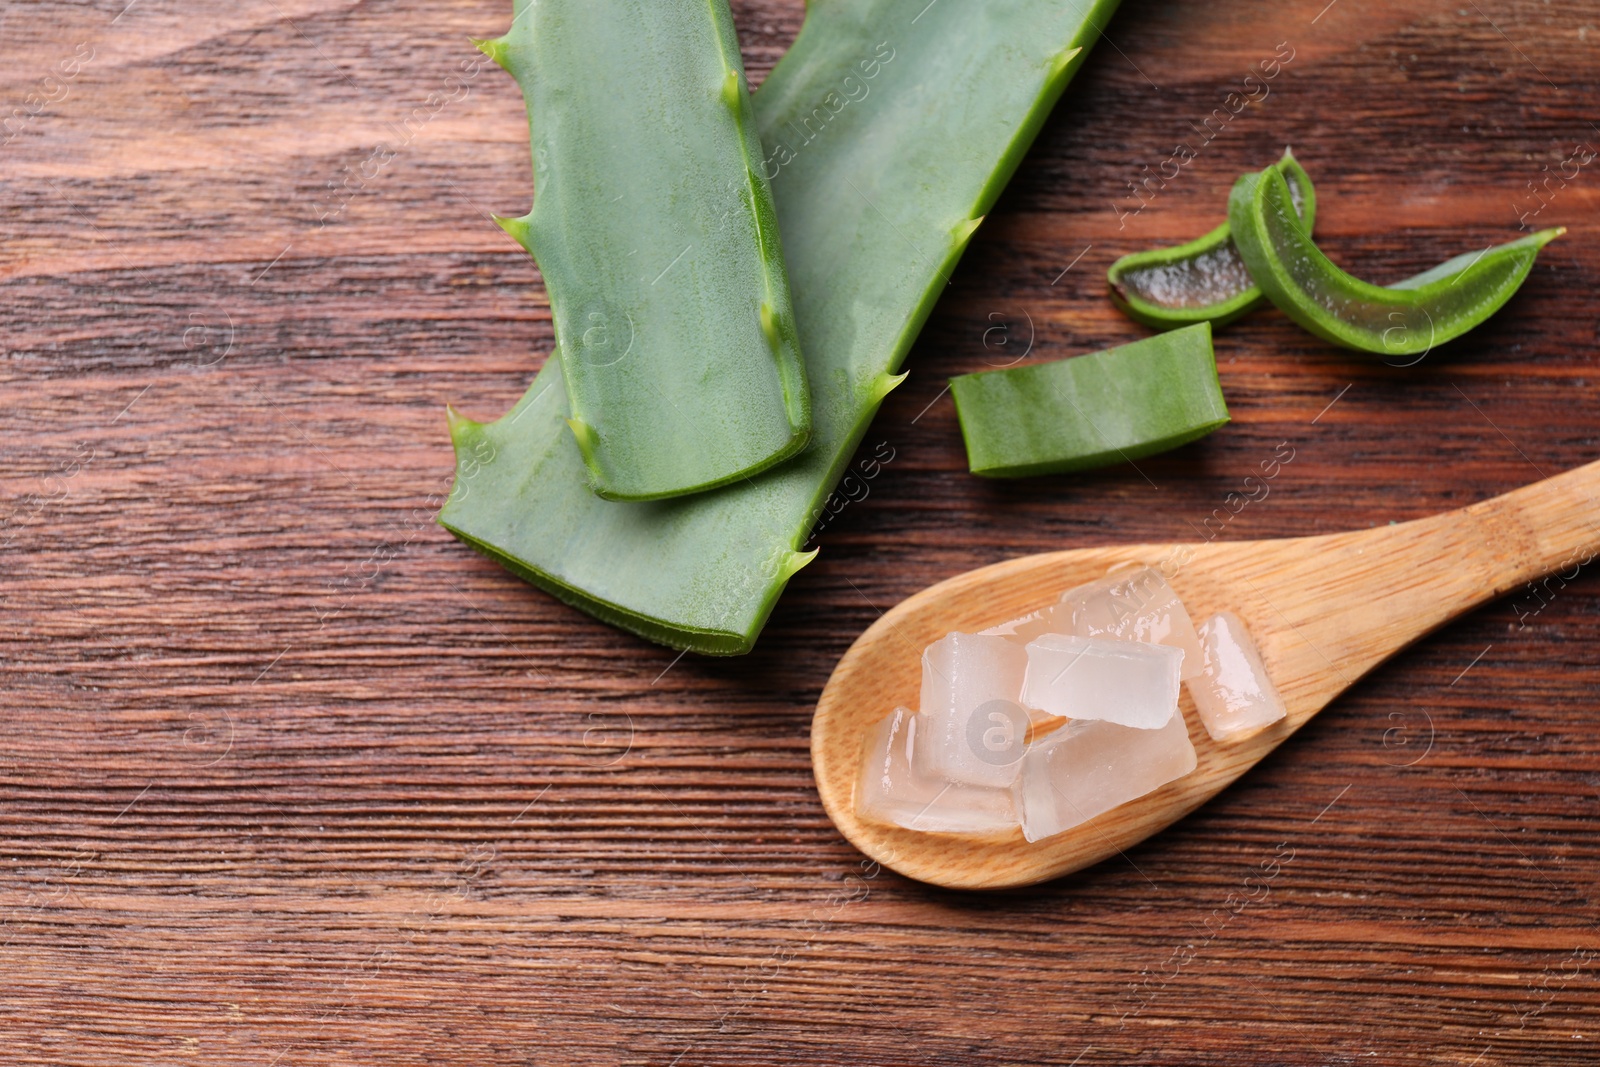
(1204, 280)
(890, 128)
(1405, 319)
(1091, 411)
(654, 229)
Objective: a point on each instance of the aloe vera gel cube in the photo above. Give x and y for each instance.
(892, 790)
(1233, 693)
(971, 693)
(1071, 710)
(1054, 619)
(1091, 766)
(1135, 604)
(1126, 682)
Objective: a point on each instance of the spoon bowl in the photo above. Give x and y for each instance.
(1324, 610)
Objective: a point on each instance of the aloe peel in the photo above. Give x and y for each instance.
(1407, 318)
(1203, 280)
(890, 129)
(655, 232)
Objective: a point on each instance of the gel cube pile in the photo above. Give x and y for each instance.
(1046, 721)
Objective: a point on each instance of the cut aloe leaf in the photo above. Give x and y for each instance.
(1204, 280)
(890, 129)
(655, 231)
(1405, 319)
(1091, 411)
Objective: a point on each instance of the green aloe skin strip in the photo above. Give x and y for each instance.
(1408, 318)
(890, 129)
(656, 234)
(1204, 280)
(1091, 411)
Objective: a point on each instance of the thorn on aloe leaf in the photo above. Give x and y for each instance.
(496, 48)
(963, 233)
(793, 562)
(520, 229)
(730, 91)
(884, 384)
(587, 438)
(1059, 65)
(769, 326)
(703, 572)
(460, 426)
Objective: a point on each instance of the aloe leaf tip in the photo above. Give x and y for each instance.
(1544, 237)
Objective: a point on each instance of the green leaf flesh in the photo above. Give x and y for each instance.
(890, 129)
(1408, 318)
(1204, 280)
(1091, 411)
(655, 232)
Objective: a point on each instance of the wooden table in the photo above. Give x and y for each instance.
(290, 777)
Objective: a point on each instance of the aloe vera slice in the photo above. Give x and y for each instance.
(1091, 411)
(1405, 319)
(1204, 280)
(655, 231)
(890, 127)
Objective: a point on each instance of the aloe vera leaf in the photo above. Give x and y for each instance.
(1091, 411)
(916, 115)
(1405, 319)
(655, 231)
(1203, 280)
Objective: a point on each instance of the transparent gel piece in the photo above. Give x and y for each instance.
(996, 736)
(1056, 619)
(972, 703)
(1126, 682)
(891, 790)
(1135, 604)
(1233, 693)
(1089, 767)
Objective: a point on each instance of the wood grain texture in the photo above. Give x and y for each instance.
(288, 776)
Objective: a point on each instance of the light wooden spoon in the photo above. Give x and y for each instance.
(1324, 610)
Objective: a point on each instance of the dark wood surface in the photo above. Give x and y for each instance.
(287, 776)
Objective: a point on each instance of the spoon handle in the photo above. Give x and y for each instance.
(1551, 527)
(1342, 603)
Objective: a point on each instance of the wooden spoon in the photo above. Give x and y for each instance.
(1324, 610)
